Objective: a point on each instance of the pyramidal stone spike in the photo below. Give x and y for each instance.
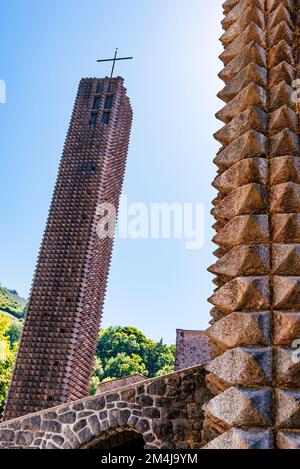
(286, 292)
(249, 367)
(282, 118)
(238, 438)
(241, 329)
(243, 293)
(273, 4)
(252, 73)
(240, 407)
(286, 228)
(235, 13)
(288, 409)
(284, 143)
(288, 440)
(249, 145)
(252, 95)
(286, 259)
(286, 327)
(285, 197)
(282, 72)
(287, 368)
(251, 53)
(251, 14)
(281, 13)
(250, 198)
(252, 33)
(252, 118)
(281, 51)
(281, 31)
(244, 229)
(281, 94)
(243, 260)
(228, 5)
(241, 173)
(284, 169)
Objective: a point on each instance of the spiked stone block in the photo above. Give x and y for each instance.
(257, 301)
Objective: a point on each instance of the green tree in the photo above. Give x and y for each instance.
(158, 356)
(124, 365)
(119, 339)
(14, 332)
(124, 351)
(97, 377)
(7, 357)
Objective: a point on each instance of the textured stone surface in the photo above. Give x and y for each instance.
(255, 318)
(166, 411)
(241, 439)
(192, 348)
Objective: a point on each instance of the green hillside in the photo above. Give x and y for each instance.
(11, 303)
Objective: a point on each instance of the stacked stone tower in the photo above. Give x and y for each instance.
(256, 317)
(57, 349)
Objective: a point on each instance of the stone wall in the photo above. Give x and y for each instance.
(166, 411)
(192, 348)
(118, 383)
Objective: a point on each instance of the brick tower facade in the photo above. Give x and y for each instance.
(256, 318)
(56, 355)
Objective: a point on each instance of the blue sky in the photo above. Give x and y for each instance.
(46, 47)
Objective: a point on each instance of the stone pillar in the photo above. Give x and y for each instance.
(256, 317)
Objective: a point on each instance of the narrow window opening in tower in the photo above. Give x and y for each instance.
(108, 102)
(74, 258)
(105, 118)
(99, 89)
(96, 104)
(111, 87)
(93, 119)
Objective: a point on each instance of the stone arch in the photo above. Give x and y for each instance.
(117, 435)
(90, 429)
(166, 411)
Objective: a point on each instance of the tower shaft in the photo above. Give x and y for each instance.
(56, 355)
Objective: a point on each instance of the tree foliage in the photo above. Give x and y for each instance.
(126, 351)
(121, 352)
(7, 357)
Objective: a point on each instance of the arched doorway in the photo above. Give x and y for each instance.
(125, 440)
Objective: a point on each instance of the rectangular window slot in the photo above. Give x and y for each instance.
(105, 117)
(96, 104)
(99, 88)
(108, 102)
(93, 119)
(111, 87)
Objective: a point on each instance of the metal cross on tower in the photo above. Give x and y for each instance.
(114, 61)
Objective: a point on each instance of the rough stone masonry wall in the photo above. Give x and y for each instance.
(256, 314)
(192, 348)
(166, 411)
